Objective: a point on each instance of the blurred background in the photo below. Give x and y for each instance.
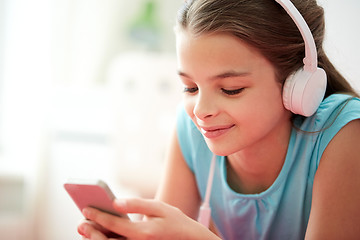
(88, 89)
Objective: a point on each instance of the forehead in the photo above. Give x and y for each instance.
(212, 50)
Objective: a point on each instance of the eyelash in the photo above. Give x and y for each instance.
(227, 92)
(190, 90)
(232, 92)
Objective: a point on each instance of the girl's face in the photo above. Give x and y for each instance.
(231, 93)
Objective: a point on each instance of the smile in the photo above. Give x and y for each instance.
(214, 132)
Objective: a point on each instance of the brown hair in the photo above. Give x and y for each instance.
(265, 25)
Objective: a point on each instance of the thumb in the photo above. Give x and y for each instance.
(148, 207)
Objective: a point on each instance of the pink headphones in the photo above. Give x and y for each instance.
(305, 89)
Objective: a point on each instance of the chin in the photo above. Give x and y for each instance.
(221, 150)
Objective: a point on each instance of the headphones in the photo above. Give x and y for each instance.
(304, 90)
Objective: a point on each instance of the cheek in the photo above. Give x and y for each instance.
(269, 100)
(271, 108)
(260, 110)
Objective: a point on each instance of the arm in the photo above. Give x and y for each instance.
(335, 210)
(178, 186)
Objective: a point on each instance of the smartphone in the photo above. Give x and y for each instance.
(92, 193)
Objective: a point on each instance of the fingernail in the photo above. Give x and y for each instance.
(83, 229)
(86, 212)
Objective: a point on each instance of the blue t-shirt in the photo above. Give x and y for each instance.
(282, 211)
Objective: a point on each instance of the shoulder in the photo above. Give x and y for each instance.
(335, 112)
(335, 211)
(184, 125)
(337, 105)
(190, 139)
(336, 109)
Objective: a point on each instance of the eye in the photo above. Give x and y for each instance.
(190, 89)
(232, 91)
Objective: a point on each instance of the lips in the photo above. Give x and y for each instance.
(215, 131)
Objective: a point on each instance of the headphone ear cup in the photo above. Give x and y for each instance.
(303, 91)
(287, 91)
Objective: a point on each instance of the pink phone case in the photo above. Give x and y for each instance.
(92, 193)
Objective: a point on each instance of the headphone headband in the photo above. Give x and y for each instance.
(310, 60)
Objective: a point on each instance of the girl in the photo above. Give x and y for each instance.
(277, 175)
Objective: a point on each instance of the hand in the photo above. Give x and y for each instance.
(100, 232)
(161, 221)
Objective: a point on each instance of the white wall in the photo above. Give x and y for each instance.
(343, 37)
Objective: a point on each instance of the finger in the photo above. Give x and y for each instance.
(81, 227)
(89, 232)
(95, 226)
(104, 231)
(147, 207)
(111, 223)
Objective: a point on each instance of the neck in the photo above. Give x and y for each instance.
(253, 170)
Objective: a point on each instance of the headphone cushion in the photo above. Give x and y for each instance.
(303, 91)
(287, 91)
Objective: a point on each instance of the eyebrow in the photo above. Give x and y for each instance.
(227, 74)
(180, 73)
(230, 74)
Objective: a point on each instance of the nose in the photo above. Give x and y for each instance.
(205, 106)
